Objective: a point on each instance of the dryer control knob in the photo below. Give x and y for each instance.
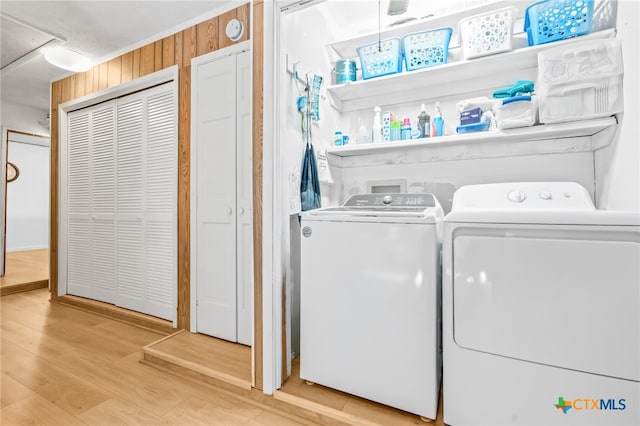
(516, 196)
(387, 199)
(545, 195)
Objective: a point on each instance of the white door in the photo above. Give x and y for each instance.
(223, 215)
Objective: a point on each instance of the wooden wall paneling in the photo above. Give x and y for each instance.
(178, 49)
(56, 98)
(72, 86)
(80, 84)
(189, 45)
(103, 80)
(184, 152)
(65, 90)
(127, 67)
(114, 72)
(147, 59)
(207, 36)
(223, 40)
(244, 16)
(168, 51)
(158, 56)
(88, 82)
(258, 104)
(135, 64)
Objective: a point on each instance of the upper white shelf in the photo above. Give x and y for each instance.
(462, 76)
(346, 48)
(541, 139)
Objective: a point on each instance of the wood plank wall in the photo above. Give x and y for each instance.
(176, 49)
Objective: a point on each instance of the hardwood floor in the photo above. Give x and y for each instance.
(63, 366)
(24, 271)
(348, 408)
(208, 356)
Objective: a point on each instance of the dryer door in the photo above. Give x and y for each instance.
(565, 297)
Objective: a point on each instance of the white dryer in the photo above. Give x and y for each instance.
(370, 299)
(541, 308)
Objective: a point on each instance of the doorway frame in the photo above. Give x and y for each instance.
(168, 75)
(4, 158)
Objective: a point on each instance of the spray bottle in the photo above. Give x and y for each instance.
(377, 125)
(424, 123)
(437, 127)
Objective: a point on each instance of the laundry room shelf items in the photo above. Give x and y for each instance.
(576, 136)
(452, 78)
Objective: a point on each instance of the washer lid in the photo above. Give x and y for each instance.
(532, 202)
(423, 207)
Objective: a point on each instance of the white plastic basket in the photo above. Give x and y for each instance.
(487, 33)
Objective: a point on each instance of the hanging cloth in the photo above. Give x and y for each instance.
(309, 183)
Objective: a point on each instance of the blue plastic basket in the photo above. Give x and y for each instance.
(378, 59)
(426, 48)
(553, 20)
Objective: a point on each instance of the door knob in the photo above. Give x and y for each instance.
(241, 211)
(229, 211)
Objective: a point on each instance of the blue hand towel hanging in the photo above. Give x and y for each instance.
(309, 183)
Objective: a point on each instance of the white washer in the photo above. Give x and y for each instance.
(541, 308)
(370, 299)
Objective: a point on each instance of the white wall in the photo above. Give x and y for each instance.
(24, 118)
(28, 198)
(618, 165)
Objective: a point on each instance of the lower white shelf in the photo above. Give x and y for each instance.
(573, 136)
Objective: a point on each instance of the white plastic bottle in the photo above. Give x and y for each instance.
(377, 125)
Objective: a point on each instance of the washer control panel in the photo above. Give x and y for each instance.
(523, 195)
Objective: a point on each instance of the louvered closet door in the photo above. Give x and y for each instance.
(147, 202)
(131, 256)
(161, 204)
(103, 197)
(79, 205)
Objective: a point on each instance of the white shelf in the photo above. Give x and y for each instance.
(453, 78)
(542, 139)
(347, 48)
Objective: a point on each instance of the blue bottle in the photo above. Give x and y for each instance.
(437, 126)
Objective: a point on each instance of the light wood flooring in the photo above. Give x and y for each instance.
(349, 408)
(63, 366)
(208, 356)
(25, 270)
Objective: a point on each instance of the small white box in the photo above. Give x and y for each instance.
(580, 82)
(518, 111)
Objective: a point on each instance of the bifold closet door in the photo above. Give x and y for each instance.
(91, 203)
(147, 202)
(224, 234)
(122, 202)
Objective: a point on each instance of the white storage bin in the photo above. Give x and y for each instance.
(580, 82)
(519, 111)
(486, 34)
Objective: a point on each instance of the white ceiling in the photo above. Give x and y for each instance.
(98, 29)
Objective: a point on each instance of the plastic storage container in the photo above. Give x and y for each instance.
(553, 20)
(518, 111)
(580, 81)
(378, 59)
(487, 33)
(426, 48)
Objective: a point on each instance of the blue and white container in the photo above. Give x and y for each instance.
(345, 71)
